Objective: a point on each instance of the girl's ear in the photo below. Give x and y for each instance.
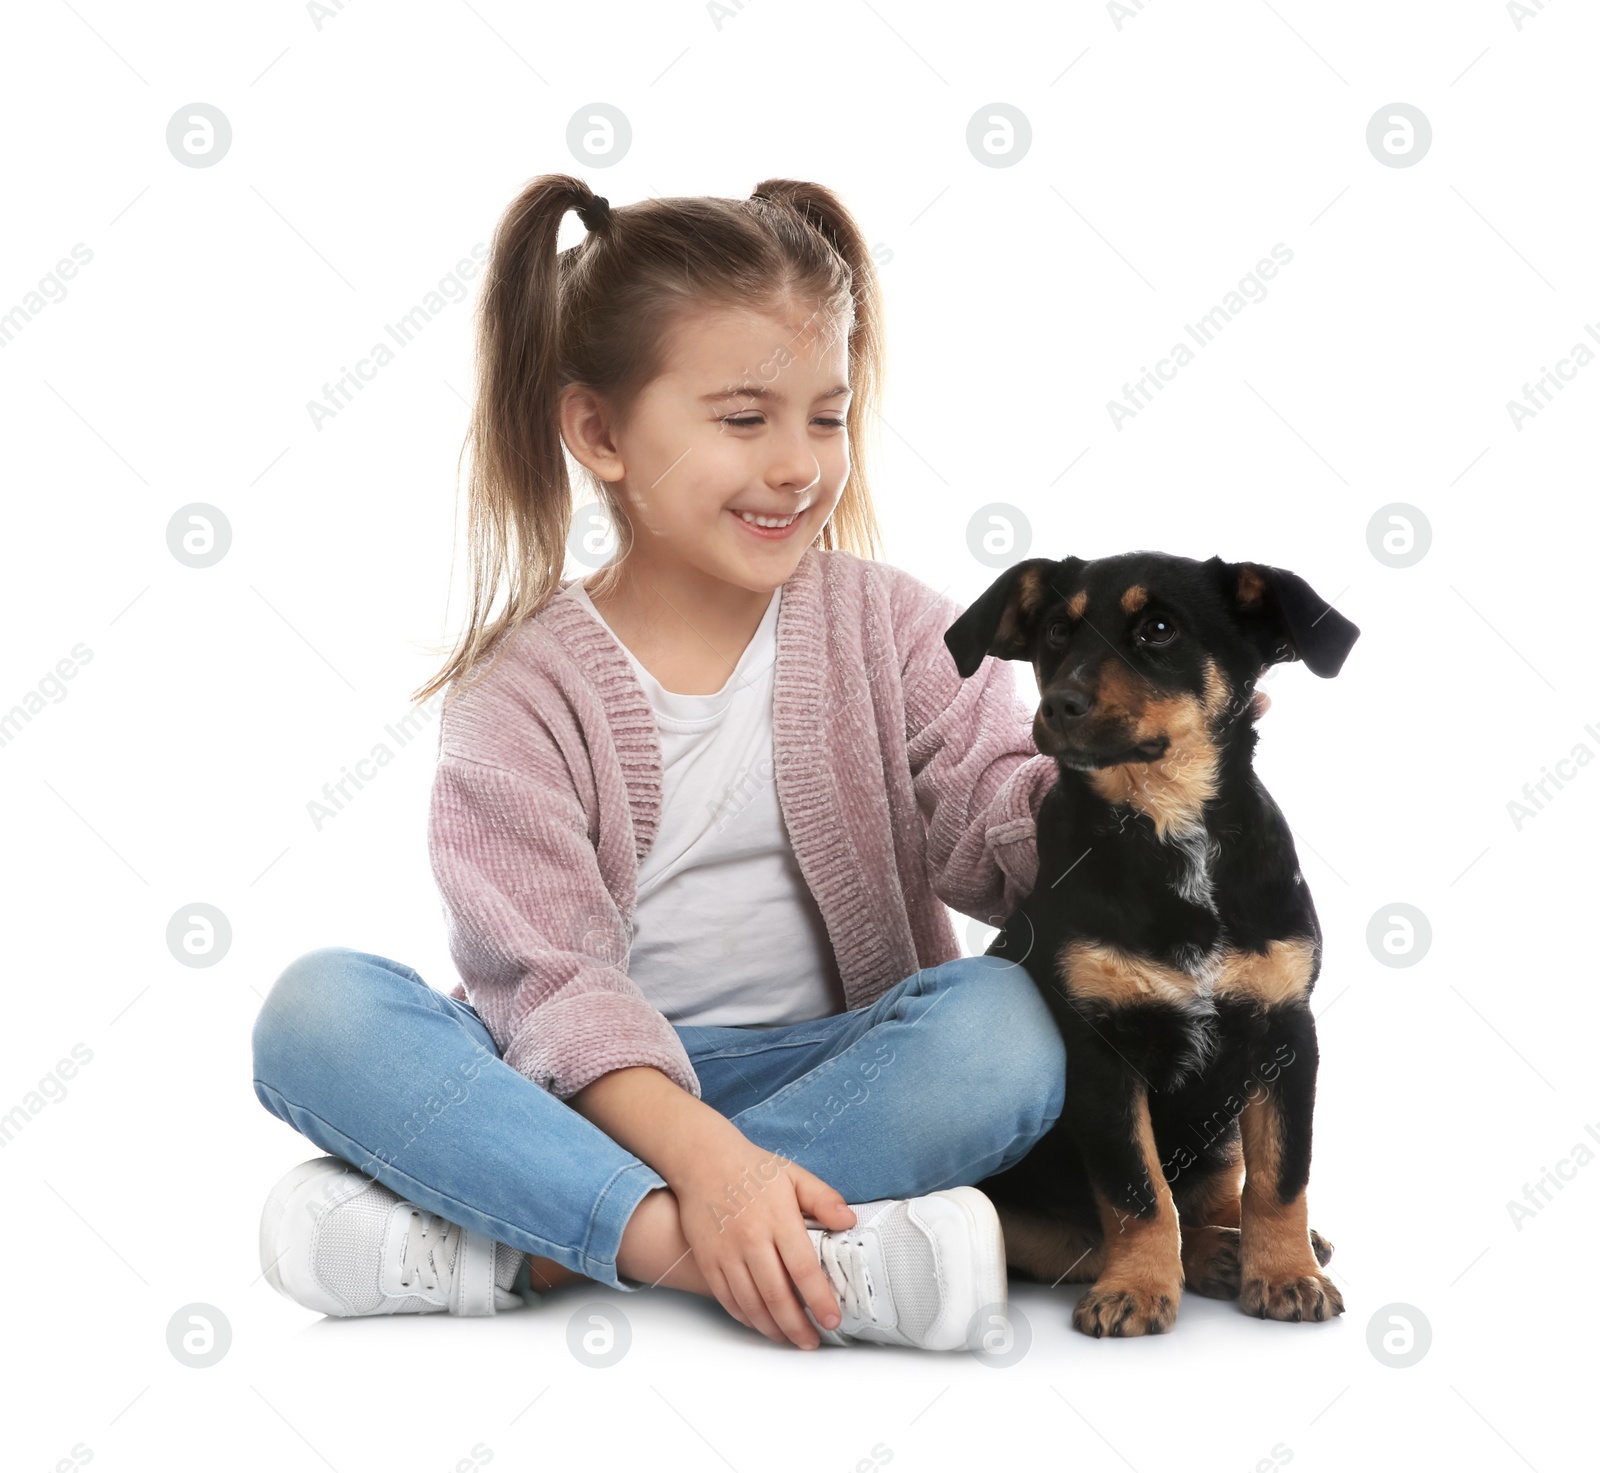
(587, 431)
(1004, 620)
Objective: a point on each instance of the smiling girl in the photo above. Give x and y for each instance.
(696, 822)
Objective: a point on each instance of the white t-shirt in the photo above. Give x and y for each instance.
(725, 928)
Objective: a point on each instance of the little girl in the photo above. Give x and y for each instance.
(695, 822)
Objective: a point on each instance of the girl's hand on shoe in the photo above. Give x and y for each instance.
(741, 1209)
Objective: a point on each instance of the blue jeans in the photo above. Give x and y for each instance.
(949, 1077)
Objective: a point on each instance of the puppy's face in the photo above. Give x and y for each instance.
(1146, 656)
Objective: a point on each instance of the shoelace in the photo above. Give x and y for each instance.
(427, 1250)
(845, 1262)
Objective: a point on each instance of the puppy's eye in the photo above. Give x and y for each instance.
(1056, 634)
(1156, 632)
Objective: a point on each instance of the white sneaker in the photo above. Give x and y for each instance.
(335, 1241)
(914, 1271)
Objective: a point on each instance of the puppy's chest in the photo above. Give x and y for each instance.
(1169, 888)
(1189, 871)
(1161, 929)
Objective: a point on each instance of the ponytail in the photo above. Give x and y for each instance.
(519, 507)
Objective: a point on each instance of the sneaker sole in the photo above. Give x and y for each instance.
(307, 1176)
(987, 1264)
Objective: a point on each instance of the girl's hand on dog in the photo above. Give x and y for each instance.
(750, 1242)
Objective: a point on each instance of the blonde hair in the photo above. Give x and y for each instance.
(599, 314)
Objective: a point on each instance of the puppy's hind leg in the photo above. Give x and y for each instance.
(1209, 1209)
(1208, 1216)
(1050, 1250)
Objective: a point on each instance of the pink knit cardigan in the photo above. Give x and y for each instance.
(904, 789)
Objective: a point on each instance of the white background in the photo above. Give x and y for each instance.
(1169, 154)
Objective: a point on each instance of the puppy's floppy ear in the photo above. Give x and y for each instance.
(1004, 619)
(1286, 617)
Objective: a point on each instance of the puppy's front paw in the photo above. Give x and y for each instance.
(1311, 1296)
(1321, 1247)
(1126, 1311)
(1211, 1261)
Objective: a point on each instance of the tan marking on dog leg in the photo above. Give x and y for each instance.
(1051, 1251)
(1138, 1291)
(1135, 598)
(1281, 974)
(1279, 1278)
(1093, 972)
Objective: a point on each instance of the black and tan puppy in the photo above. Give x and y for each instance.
(1172, 934)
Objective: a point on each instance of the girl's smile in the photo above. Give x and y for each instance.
(728, 464)
(773, 528)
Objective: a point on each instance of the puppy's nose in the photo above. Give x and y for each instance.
(1066, 703)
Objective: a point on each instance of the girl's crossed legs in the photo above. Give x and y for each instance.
(947, 1078)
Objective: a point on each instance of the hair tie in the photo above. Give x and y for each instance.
(595, 213)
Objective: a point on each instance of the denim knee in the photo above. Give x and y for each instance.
(1015, 1059)
(316, 998)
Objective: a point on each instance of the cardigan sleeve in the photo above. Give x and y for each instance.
(978, 775)
(536, 934)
